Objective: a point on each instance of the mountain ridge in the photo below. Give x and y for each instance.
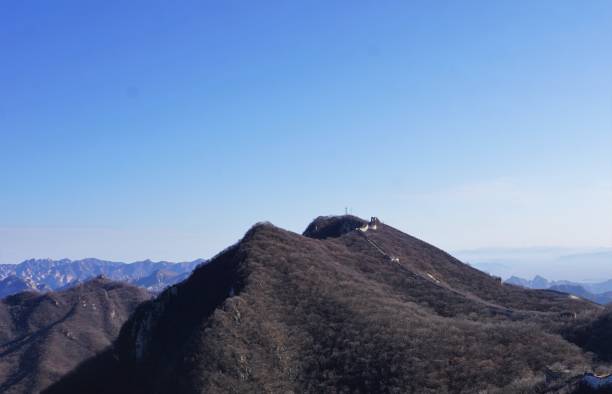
(43, 336)
(367, 309)
(47, 274)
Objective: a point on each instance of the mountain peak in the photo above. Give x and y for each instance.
(322, 304)
(333, 226)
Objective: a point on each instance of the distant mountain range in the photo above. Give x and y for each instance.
(573, 264)
(47, 275)
(598, 292)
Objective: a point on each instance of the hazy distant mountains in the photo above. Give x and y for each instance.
(539, 282)
(600, 292)
(47, 274)
(573, 264)
(583, 272)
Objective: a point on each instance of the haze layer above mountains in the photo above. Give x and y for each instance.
(569, 264)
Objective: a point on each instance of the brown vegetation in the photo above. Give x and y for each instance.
(42, 337)
(282, 312)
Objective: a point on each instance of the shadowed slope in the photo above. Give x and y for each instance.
(594, 335)
(44, 336)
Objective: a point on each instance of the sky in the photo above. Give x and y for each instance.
(164, 129)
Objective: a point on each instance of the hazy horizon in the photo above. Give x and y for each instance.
(550, 262)
(527, 253)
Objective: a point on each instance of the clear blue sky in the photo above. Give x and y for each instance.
(163, 130)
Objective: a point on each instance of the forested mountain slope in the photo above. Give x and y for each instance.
(42, 337)
(350, 306)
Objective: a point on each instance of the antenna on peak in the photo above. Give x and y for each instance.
(346, 210)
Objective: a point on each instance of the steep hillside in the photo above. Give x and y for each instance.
(595, 335)
(354, 306)
(44, 336)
